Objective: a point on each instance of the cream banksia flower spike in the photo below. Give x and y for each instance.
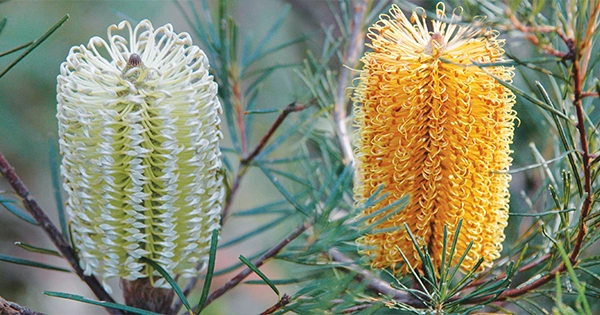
(436, 127)
(139, 134)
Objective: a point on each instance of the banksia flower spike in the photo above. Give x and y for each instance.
(436, 127)
(139, 134)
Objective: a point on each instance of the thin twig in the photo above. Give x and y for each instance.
(234, 188)
(246, 160)
(350, 60)
(373, 283)
(56, 237)
(35, 44)
(10, 51)
(239, 110)
(589, 94)
(285, 300)
(259, 262)
(529, 33)
(10, 308)
(578, 78)
(502, 275)
(292, 107)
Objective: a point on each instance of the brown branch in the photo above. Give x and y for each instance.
(589, 94)
(285, 300)
(528, 31)
(246, 160)
(259, 262)
(239, 110)
(578, 78)
(234, 188)
(381, 287)
(350, 60)
(53, 233)
(10, 308)
(502, 275)
(292, 107)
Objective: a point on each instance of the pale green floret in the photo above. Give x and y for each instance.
(140, 152)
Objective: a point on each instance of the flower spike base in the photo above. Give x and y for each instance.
(142, 294)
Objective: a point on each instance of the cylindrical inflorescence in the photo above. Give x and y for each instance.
(435, 125)
(139, 134)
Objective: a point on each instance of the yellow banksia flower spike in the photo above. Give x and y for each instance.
(139, 133)
(436, 127)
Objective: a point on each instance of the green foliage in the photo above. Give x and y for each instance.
(39, 250)
(30, 263)
(29, 47)
(82, 299)
(209, 270)
(56, 185)
(260, 274)
(9, 205)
